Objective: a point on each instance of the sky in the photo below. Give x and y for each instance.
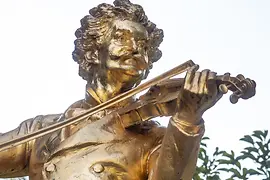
(38, 75)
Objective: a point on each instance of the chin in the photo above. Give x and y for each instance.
(133, 74)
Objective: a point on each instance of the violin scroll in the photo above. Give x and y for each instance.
(241, 87)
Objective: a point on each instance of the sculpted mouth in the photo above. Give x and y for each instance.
(132, 65)
(114, 57)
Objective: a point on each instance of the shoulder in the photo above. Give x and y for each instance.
(38, 122)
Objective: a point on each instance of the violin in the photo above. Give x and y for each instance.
(157, 102)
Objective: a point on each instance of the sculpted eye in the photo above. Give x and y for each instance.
(122, 37)
(142, 44)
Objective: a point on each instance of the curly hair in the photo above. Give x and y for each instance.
(92, 33)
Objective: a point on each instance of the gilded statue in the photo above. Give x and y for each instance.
(115, 49)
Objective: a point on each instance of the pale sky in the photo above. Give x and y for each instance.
(38, 75)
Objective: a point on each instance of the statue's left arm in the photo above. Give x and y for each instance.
(176, 156)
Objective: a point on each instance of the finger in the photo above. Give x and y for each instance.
(226, 77)
(212, 77)
(190, 73)
(203, 82)
(211, 86)
(219, 96)
(195, 84)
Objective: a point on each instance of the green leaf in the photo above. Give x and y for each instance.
(217, 152)
(245, 172)
(202, 154)
(205, 138)
(253, 172)
(246, 156)
(268, 164)
(262, 170)
(248, 139)
(266, 146)
(260, 144)
(237, 163)
(223, 169)
(235, 172)
(258, 134)
(215, 177)
(228, 155)
(232, 153)
(251, 149)
(265, 134)
(268, 142)
(204, 170)
(203, 144)
(197, 177)
(224, 161)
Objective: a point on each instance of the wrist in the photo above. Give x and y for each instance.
(188, 117)
(188, 111)
(188, 128)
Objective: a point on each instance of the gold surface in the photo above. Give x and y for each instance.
(110, 134)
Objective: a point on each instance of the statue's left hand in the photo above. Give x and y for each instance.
(199, 93)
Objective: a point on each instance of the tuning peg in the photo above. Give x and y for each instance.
(240, 77)
(223, 88)
(234, 98)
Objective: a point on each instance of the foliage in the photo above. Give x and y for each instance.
(229, 164)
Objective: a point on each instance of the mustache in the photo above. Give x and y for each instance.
(126, 56)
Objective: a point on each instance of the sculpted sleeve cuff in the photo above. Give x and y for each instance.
(187, 128)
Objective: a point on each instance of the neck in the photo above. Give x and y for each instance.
(102, 93)
(98, 92)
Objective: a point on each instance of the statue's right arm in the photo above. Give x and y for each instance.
(14, 161)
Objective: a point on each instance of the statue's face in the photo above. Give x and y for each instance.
(127, 57)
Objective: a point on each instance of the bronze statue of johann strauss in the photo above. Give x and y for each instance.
(115, 48)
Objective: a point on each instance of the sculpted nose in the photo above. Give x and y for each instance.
(143, 63)
(142, 59)
(139, 60)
